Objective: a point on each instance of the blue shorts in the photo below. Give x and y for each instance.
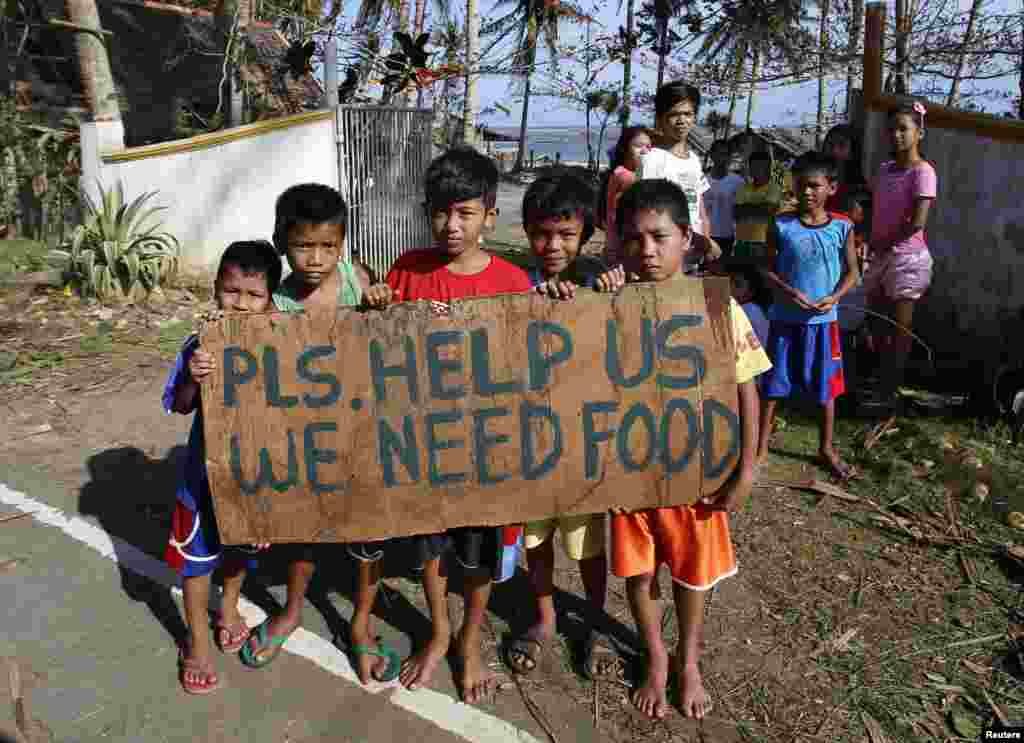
(807, 361)
(194, 548)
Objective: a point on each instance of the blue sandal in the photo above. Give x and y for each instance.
(259, 658)
(382, 650)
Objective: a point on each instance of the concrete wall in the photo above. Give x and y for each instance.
(218, 187)
(973, 315)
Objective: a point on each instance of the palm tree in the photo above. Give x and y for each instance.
(526, 23)
(93, 61)
(627, 64)
(449, 35)
(756, 31)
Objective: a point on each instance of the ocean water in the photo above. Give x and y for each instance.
(570, 142)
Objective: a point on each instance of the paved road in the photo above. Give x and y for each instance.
(93, 639)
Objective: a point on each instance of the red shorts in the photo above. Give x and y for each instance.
(692, 540)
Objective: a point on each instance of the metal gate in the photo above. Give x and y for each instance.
(383, 153)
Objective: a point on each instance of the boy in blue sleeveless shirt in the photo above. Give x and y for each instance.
(811, 264)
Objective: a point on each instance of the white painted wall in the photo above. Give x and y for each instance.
(220, 193)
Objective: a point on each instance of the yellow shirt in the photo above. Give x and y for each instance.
(751, 359)
(756, 207)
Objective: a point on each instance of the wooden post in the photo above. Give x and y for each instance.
(874, 33)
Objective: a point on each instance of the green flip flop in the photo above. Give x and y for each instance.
(257, 658)
(382, 650)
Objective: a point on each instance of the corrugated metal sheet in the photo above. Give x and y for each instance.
(383, 153)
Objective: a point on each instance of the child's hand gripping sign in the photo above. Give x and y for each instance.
(500, 410)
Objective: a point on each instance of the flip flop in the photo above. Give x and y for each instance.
(382, 650)
(259, 658)
(186, 665)
(839, 469)
(601, 661)
(231, 637)
(522, 646)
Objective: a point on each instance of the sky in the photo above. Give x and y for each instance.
(794, 105)
(790, 106)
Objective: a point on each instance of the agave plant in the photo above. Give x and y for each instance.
(120, 251)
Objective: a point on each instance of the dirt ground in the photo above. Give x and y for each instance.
(878, 612)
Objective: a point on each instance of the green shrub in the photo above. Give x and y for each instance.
(119, 252)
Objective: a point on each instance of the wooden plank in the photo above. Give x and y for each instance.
(323, 428)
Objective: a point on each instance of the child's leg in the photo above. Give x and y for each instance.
(478, 680)
(594, 572)
(650, 698)
(199, 652)
(764, 434)
(418, 668)
(368, 581)
(693, 700)
(900, 344)
(231, 628)
(525, 652)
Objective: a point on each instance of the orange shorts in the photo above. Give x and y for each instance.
(693, 541)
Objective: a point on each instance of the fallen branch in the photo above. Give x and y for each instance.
(877, 433)
(816, 486)
(12, 516)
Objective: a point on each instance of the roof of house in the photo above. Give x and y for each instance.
(793, 141)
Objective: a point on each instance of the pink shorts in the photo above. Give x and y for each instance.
(899, 275)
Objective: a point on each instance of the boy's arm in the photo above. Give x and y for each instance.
(737, 488)
(850, 275)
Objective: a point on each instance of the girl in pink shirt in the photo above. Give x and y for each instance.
(634, 143)
(901, 266)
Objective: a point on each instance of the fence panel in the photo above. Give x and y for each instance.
(383, 153)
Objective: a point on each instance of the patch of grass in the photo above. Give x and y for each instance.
(27, 366)
(171, 336)
(22, 256)
(919, 669)
(97, 344)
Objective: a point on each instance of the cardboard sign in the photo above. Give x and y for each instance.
(358, 426)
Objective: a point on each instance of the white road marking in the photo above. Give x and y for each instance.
(461, 719)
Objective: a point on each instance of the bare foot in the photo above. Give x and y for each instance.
(418, 669)
(368, 667)
(840, 470)
(477, 682)
(693, 700)
(651, 698)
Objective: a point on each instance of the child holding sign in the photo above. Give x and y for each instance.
(694, 541)
(461, 189)
(248, 274)
(558, 218)
(309, 229)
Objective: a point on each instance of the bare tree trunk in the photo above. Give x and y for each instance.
(419, 19)
(1020, 77)
(754, 72)
(741, 52)
(627, 67)
(857, 11)
(901, 78)
(662, 48)
(93, 62)
(592, 162)
(472, 52)
(823, 8)
(961, 57)
(521, 154)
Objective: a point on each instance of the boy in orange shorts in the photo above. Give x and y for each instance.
(693, 541)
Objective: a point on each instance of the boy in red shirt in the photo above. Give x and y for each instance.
(461, 190)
